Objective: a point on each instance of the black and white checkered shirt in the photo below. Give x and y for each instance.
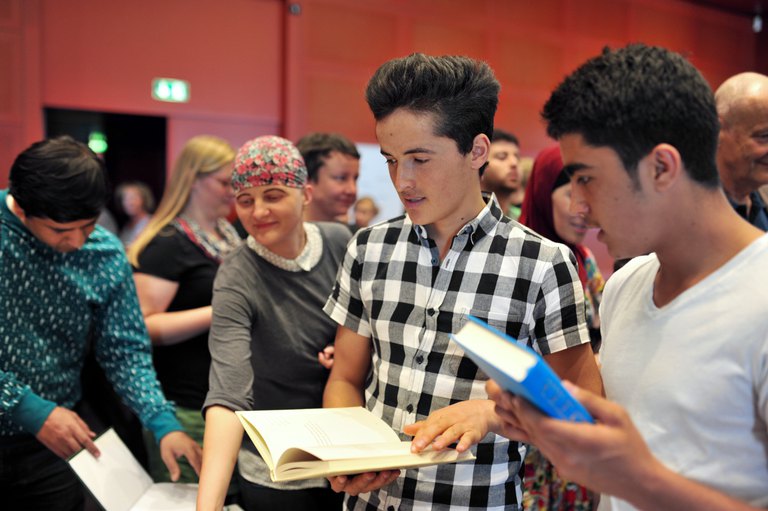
(393, 288)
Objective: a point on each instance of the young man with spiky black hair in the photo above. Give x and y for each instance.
(405, 285)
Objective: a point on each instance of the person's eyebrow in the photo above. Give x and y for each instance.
(415, 150)
(571, 169)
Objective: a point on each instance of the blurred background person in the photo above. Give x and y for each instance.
(263, 357)
(175, 260)
(742, 149)
(547, 210)
(137, 203)
(502, 175)
(333, 166)
(365, 211)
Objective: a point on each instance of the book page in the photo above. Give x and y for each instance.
(357, 459)
(115, 478)
(284, 429)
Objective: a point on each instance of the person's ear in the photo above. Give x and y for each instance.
(481, 147)
(307, 191)
(666, 165)
(16, 209)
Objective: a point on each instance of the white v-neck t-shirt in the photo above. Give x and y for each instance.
(693, 374)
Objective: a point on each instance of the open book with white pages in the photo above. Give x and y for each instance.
(322, 442)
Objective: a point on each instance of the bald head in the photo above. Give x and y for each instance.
(738, 91)
(742, 153)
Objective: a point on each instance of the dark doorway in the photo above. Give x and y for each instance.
(136, 145)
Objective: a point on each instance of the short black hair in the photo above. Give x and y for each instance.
(316, 147)
(59, 179)
(462, 94)
(634, 98)
(500, 135)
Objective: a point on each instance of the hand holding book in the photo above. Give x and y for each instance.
(323, 442)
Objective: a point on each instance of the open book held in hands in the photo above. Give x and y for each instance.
(518, 369)
(323, 442)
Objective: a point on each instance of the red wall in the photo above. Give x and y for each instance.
(335, 45)
(95, 55)
(256, 69)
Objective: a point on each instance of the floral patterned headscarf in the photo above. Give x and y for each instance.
(268, 160)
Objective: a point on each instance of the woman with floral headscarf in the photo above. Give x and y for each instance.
(263, 357)
(546, 210)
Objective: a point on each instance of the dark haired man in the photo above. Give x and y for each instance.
(502, 175)
(65, 280)
(742, 153)
(333, 166)
(405, 285)
(685, 329)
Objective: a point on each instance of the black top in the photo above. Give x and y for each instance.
(182, 368)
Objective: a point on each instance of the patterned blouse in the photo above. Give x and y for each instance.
(53, 305)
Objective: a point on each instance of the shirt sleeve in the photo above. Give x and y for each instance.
(26, 408)
(124, 352)
(345, 305)
(229, 341)
(559, 313)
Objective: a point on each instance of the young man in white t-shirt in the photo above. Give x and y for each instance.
(685, 329)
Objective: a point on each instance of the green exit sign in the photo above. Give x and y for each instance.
(170, 89)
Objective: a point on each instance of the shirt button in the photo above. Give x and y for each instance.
(419, 359)
(391, 508)
(409, 408)
(431, 312)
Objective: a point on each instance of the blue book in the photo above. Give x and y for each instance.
(519, 370)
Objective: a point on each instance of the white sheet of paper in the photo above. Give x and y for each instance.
(120, 483)
(168, 497)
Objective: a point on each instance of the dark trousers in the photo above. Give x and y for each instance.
(32, 477)
(254, 497)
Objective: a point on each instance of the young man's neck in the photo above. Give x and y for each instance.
(443, 231)
(709, 235)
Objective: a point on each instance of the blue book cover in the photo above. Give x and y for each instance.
(519, 370)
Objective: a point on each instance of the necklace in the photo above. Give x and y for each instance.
(212, 247)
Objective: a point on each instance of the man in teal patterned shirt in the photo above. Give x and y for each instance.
(63, 281)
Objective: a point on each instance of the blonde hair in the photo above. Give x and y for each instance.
(201, 155)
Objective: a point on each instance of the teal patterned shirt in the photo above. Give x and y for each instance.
(50, 302)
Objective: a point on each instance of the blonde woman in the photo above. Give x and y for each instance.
(175, 260)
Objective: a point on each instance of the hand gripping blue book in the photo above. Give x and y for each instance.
(519, 370)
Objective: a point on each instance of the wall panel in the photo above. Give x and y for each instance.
(530, 45)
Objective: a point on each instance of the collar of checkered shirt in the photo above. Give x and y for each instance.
(476, 228)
